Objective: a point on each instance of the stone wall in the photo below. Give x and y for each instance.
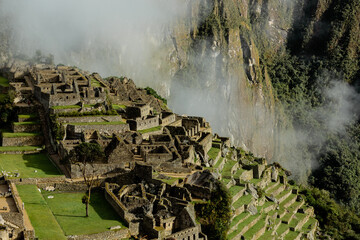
(100, 169)
(26, 128)
(198, 191)
(106, 128)
(141, 124)
(23, 141)
(167, 118)
(104, 118)
(108, 235)
(188, 233)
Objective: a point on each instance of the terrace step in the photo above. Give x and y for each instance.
(270, 186)
(288, 201)
(245, 226)
(255, 231)
(237, 219)
(276, 190)
(283, 195)
(298, 221)
(282, 230)
(293, 235)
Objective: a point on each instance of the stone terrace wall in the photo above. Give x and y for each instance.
(108, 235)
(116, 128)
(23, 141)
(104, 118)
(26, 128)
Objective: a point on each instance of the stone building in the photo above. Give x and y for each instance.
(154, 209)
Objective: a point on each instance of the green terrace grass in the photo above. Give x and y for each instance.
(255, 181)
(213, 152)
(282, 228)
(239, 172)
(246, 199)
(4, 82)
(216, 166)
(254, 229)
(26, 123)
(227, 168)
(14, 135)
(269, 186)
(295, 221)
(118, 106)
(98, 123)
(20, 148)
(308, 224)
(28, 165)
(65, 107)
(41, 217)
(288, 199)
(239, 217)
(26, 116)
(283, 193)
(242, 225)
(233, 190)
(291, 235)
(89, 105)
(69, 212)
(225, 180)
(153, 129)
(95, 83)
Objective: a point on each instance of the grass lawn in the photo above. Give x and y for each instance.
(118, 106)
(21, 148)
(4, 82)
(213, 152)
(65, 107)
(27, 116)
(26, 123)
(13, 135)
(69, 212)
(150, 129)
(27, 164)
(97, 123)
(41, 217)
(95, 83)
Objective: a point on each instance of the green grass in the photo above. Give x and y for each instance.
(227, 168)
(153, 129)
(118, 106)
(69, 212)
(218, 163)
(21, 116)
(65, 107)
(4, 82)
(242, 225)
(233, 190)
(20, 148)
(238, 218)
(27, 164)
(41, 217)
(95, 83)
(13, 135)
(282, 228)
(26, 123)
(254, 229)
(98, 123)
(246, 199)
(213, 152)
(291, 235)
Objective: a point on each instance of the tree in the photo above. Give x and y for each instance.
(215, 214)
(85, 155)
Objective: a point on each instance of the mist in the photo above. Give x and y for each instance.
(112, 37)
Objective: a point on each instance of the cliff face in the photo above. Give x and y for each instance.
(216, 58)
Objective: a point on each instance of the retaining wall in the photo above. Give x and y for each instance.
(23, 141)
